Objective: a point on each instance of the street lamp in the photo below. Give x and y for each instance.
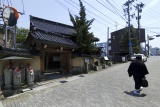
(150, 38)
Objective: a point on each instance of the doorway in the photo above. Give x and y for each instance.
(52, 61)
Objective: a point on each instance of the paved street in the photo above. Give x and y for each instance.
(110, 87)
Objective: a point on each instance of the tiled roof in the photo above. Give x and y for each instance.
(15, 51)
(53, 38)
(50, 26)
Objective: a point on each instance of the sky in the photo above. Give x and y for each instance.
(107, 14)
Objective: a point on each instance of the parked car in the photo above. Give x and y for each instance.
(144, 58)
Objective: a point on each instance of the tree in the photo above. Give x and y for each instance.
(21, 35)
(84, 38)
(124, 42)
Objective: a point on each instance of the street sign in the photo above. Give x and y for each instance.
(130, 43)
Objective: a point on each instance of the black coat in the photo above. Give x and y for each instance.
(138, 69)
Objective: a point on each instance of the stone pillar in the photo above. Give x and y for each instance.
(30, 75)
(23, 73)
(8, 77)
(16, 78)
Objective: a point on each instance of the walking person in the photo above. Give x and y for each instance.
(138, 69)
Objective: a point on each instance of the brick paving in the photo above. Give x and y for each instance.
(110, 87)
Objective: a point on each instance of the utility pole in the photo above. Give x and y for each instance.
(107, 43)
(116, 26)
(145, 48)
(139, 10)
(127, 10)
(129, 31)
(148, 46)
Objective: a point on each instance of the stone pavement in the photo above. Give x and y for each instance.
(110, 87)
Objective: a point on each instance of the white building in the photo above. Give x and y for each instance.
(105, 48)
(155, 51)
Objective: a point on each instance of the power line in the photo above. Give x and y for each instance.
(64, 6)
(102, 13)
(97, 16)
(89, 15)
(99, 11)
(119, 11)
(71, 4)
(152, 27)
(116, 10)
(10, 2)
(115, 3)
(150, 15)
(110, 10)
(153, 31)
(152, 23)
(92, 24)
(156, 13)
(153, 12)
(70, 10)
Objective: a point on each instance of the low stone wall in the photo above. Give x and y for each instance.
(76, 70)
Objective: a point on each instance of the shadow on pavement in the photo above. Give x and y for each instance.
(131, 94)
(63, 81)
(50, 76)
(81, 75)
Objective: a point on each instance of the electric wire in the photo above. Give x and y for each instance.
(155, 22)
(115, 4)
(149, 15)
(10, 2)
(3, 4)
(96, 15)
(65, 6)
(99, 11)
(0, 3)
(114, 7)
(88, 15)
(71, 10)
(153, 12)
(131, 21)
(116, 10)
(152, 27)
(110, 10)
(156, 13)
(152, 31)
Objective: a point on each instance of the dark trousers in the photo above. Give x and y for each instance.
(138, 82)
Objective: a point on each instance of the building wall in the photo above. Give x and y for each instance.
(116, 37)
(155, 51)
(83, 64)
(78, 61)
(104, 49)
